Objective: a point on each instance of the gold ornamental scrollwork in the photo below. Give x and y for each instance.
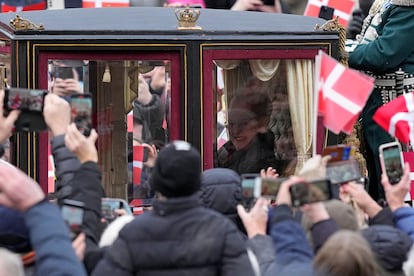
(21, 24)
(334, 26)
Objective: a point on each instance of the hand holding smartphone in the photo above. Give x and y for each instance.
(392, 163)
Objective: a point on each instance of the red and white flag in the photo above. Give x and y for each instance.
(137, 164)
(342, 9)
(397, 117)
(341, 92)
(105, 3)
(30, 7)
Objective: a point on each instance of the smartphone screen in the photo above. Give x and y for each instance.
(392, 161)
(310, 192)
(24, 99)
(81, 112)
(269, 187)
(72, 213)
(343, 171)
(248, 184)
(109, 205)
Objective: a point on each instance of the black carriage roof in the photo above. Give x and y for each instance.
(155, 21)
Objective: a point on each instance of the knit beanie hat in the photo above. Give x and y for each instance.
(177, 170)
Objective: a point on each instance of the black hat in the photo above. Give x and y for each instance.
(389, 244)
(177, 171)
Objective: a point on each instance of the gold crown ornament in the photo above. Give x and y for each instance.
(187, 18)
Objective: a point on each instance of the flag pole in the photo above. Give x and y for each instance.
(316, 84)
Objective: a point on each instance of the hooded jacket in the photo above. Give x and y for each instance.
(221, 191)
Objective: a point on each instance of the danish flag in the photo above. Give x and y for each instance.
(30, 7)
(105, 3)
(342, 93)
(342, 9)
(397, 117)
(137, 164)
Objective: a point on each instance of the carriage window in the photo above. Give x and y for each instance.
(262, 111)
(130, 113)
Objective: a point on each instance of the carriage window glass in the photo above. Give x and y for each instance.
(261, 114)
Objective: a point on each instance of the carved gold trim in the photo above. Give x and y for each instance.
(334, 26)
(20, 24)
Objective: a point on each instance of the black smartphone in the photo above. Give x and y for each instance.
(64, 72)
(30, 102)
(343, 171)
(81, 112)
(109, 205)
(310, 192)
(24, 99)
(326, 12)
(392, 161)
(72, 213)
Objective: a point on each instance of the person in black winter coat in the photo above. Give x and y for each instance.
(179, 236)
(76, 180)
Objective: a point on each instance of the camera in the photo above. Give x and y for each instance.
(72, 213)
(81, 111)
(109, 205)
(30, 102)
(392, 161)
(310, 192)
(343, 171)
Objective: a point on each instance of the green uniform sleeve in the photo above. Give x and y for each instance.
(393, 47)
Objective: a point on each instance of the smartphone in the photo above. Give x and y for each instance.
(310, 192)
(338, 152)
(248, 184)
(64, 72)
(24, 99)
(72, 213)
(326, 12)
(392, 162)
(343, 171)
(30, 102)
(267, 187)
(109, 205)
(81, 112)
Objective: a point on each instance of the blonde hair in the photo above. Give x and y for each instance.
(346, 253)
